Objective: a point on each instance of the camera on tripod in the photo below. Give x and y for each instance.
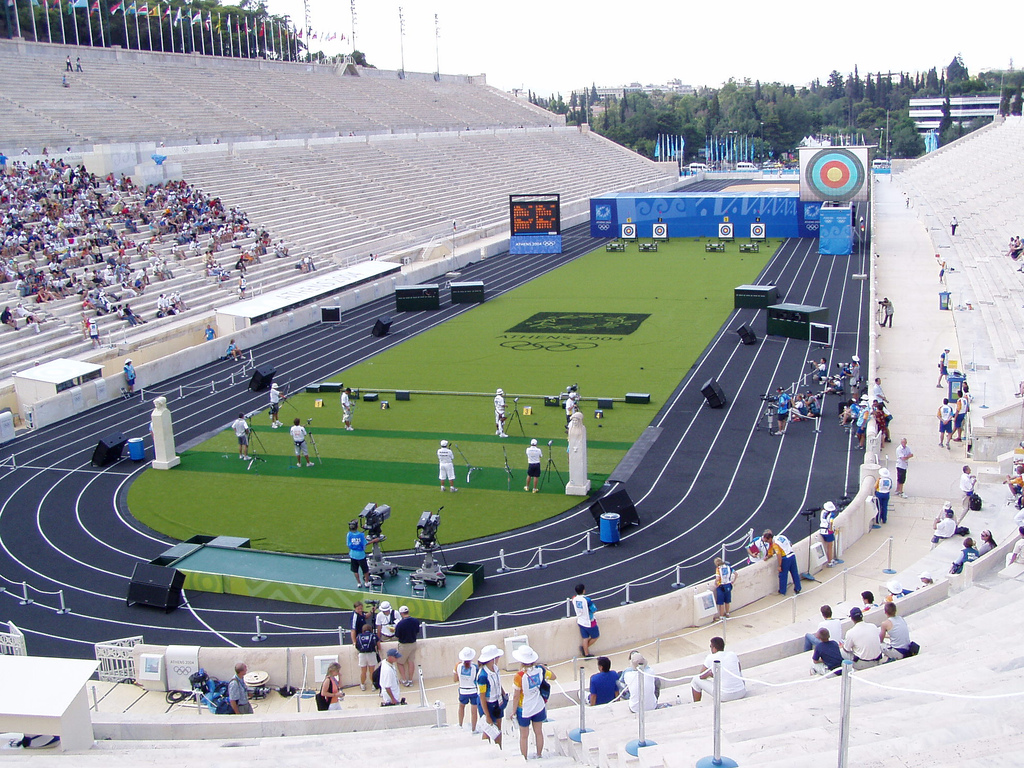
(769, 398)
(426, 530)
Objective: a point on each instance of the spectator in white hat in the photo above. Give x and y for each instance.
(492, 696)
(530, 696)
(827, 531)
(465, 675)
(387, 618)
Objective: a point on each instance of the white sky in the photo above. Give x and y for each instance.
(562, 45)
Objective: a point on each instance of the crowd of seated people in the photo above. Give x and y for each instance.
(59, 236)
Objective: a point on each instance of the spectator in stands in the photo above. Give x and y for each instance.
(887, 312)
(926, 579)
(209, 333)
(78, 64)
(828, 656)
(903, 457)
(387, 618)
(492, 695)
(330, 689)
(238, 691)
(967, 483)
(67, 65)
(827, 531)
(867, 598)
(733, 686)
(7, 318)
(465, 674)
(1015, 481)
(862, 645)
(604, 686)
(529, 699)
(944, 525)
(967, 555)
(390, 690)
(367, 645)
(129, 315)
(406, 631)
(724, 578)
(834, 627)
(1018, 548)
(894, 634)
(895, 590)
(987, 543)
(233, 351)
(631, 679)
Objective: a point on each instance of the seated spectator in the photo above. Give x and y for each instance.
(1015, 481)
(862, 645)
(828, 656)
(604, 686)
(987, 543)
(894, 634)
(129, 315)
(390, 687)
(926, 579)
(895, 590)
(967, 555)
(733, 686)
(868, 599)
(631, 681)
(1018, 548)
(833, 626)
(233, 351)
(7, 318)
(944, 525)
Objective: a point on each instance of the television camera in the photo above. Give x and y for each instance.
(426, 540)
(372, 520)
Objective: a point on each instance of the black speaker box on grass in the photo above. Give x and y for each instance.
(262, 378)
(713, 393)
(109, 449)
(156, 586)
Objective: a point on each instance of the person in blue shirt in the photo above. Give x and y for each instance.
(783, 401)
(827, 658)
(604, 686)
(129, 376)
(210, 333)
(357, 543)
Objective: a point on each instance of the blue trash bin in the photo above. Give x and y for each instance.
(136, 449)
(944, 301)
(610, 528)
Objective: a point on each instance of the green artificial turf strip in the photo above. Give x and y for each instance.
(390, 458)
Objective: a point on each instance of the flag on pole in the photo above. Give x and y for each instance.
(115, 8)
(95, 7)
(177, 18)
(197, 18)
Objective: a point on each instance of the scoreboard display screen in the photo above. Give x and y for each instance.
(534, 215)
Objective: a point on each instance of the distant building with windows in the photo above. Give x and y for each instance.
(672, 86)
(927, 113)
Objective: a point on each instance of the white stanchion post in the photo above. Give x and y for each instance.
(423, 687)
(588, 550)
(199, 701)
(95, 701)
(568, 608)
(657, 650)
(633, 747)
(793, 603)
(540, 559)
(716, 759)
(259, 637)
(846, 571)
(495, 616)
(627, 601)
(576, 734)
(213, 387)
(501, 556)
(25, 599)
(341, 636)
(678, 583)
(63, 608)
(888, 569)
(181, 392)
(844, 714)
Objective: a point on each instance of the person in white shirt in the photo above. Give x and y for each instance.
(346, 408)
(446, 466)
(967, 483)
(275, 404)
(631, 679)
(834, 627)
(241, 428)
(733, 686)
(944, 526)
(862, 645)
(903, 457)
(390, 689)
(533, 458)
(499, 413)
(298, 433)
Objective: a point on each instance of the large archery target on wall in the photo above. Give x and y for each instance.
(834, 173)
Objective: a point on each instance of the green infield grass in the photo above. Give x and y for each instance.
(610, 322)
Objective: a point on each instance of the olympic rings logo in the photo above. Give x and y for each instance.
(521, 345)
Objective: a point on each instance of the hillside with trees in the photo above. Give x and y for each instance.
(871, 108)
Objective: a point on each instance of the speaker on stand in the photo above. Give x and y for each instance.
(381, 327)
(713, 393)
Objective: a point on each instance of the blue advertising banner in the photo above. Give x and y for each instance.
(526, 244)
(835, 231)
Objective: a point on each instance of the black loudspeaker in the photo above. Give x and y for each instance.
(713, 394)
(262, 377)
(109, 449)
(746, 335)
(381, 327)
(330, 314)
(617, 501)
(155, 585)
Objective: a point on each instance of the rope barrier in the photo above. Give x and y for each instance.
(947, 694)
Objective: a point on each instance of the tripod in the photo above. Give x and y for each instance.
(770, 410)
(309, 434)
(810, 515)
(550, 465)
(515, 415)
(508, 471)
(469, 467)
(253, 456)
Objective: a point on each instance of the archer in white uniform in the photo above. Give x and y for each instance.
(446, 466)
(533, 457)
(298, 433)
(499, 413)
(346, 408)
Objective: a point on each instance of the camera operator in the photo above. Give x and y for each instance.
(887, 312)
(783, 401)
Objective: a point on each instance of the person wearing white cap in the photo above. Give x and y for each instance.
(883, 488)
(926, 579)
(944, 525)
(895, 589)
(275, 405)
(827, 531)
(386, 620)
(446, 466)
(499, 413)
(631, 680)
(533, 457)
(529, 695)
(298, 433)
(492, 696)
(465, 675)
(129, 376)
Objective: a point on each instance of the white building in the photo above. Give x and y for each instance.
(927, 113)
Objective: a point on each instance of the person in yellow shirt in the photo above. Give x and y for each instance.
(781, 549)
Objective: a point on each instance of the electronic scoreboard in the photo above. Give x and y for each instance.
(534, 215)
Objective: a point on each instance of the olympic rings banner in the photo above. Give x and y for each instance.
(834, 173)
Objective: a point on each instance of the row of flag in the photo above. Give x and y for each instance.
(669, 147)
(731, 148)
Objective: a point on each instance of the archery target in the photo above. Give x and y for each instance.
(660, 231)
(757, 232)
(725, 232)
(833, 173)
(629, 231)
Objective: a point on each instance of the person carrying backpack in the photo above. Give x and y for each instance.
(530, 692)
(368, 647)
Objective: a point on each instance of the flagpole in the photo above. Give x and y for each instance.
(231, 39)
(220, 32)
(60, 18)
(32, 15)
(181, 29)
(17, 21)
(46, 11)
(124, 18)
(138, 34)
(209, 23)
(192, 32)
(74, 20)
